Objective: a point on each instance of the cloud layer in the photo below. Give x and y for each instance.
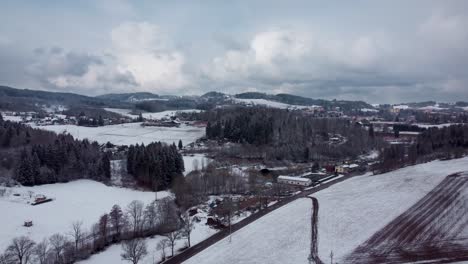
(363, 54)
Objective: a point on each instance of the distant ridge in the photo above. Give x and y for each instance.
(31, 100)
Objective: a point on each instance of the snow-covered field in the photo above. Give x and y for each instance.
(81, 200)
(269, 103)
(350, 212)
(438, 126)
(131, 133)
(11, 118)
(152, 116)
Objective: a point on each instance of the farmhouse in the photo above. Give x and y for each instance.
(346, 168)
(294, 180)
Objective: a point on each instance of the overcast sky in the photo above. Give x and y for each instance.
(378, 51)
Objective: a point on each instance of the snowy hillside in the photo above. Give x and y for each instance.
(91, 198)
(131, 133)
(268, 103)
(350, 212)
(152, 116)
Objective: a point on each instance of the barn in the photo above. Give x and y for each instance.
(294, 180)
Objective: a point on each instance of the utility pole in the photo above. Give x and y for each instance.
(331, 257)
(230, 216)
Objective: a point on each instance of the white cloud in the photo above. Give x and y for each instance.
(445, 30)
(284, 55)
(271, 46)
(144, 51)
(141, 58)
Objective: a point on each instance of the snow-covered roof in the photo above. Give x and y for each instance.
(400, 107)
(291, 178)
(432, 107)
(409, 133)
(351, 166)
(369, 110)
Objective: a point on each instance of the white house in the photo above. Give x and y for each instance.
(346, 168)
(294, 180)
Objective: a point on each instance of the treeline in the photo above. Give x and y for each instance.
(91, 122)
(433, 143)
(155, 165)
(253, 127)
(291, 135)
(135, 221)
(64, 160)
(451, 141)
(33, 156)
(171, 104)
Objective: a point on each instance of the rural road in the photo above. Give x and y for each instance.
(190, 252)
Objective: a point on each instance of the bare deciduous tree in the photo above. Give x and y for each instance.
(136, 215)
(77, 233)
(40, 251)
(95, 234)
(6, 258)
(172, 238)
(151, 215)
(134, 250)
(21, 248)
(187, 227)
(162, 245)
(58, 243)
(103, 227)
(117, 219)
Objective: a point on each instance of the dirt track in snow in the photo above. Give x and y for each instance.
(314, 256)
(432, 230)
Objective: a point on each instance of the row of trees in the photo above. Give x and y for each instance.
(64, 160)
(446, 142)
(155, 165)
(128, 225)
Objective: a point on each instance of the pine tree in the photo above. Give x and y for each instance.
(105, 168)
(180, 144)
(8, 138)
(371, 132)
(100, 121)
(117, 219)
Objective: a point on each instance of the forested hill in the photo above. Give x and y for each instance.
(287, 135)
(129, 97)
(299, 100)
(32, 100)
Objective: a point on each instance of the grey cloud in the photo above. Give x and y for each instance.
(353, 50)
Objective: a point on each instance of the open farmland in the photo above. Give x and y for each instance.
(82, 200)
(131, 133)
(151, 116)
(435, 228)
(351, 212)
